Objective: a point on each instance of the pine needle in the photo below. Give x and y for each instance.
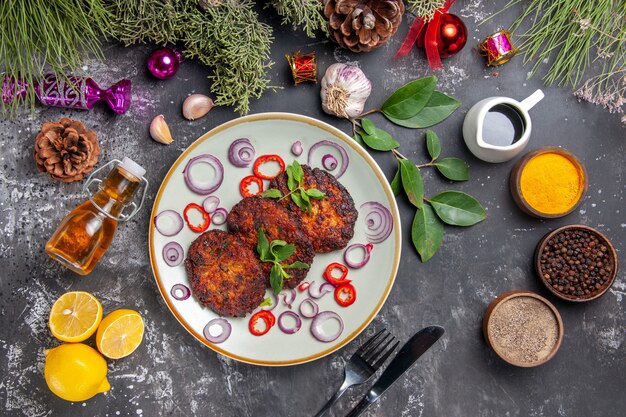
(304, 14)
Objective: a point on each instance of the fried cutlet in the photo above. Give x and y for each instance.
(225, 274)
(278, 223)
(330, 224)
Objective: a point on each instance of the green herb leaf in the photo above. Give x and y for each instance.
(412, 182)
(272, 193)
(438, 108)
(305, 197)
(291, 182)
(380, 140)
(283, 252)
(297, 265)
(457, 208)
(368, 126)
(262, 245)
(298, 200)
(298, 173)
(396, 184)
(426, 232)
(454, 169)
(358, 139)
(433, 144)
(267, 301)
(410, 99)
(276, 279)
(315, 193)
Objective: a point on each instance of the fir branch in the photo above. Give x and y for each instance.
(424, 8)
(305, 14)
(38, 36)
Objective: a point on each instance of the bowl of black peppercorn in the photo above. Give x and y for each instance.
(576, 263)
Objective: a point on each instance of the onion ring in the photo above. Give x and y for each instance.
(296, 148)
(173, 254)
(290, 297)
(177, 289)
(168, 222)
(226, 329)
(329, 162)
(210, 204)
(367, 249)
(317, 292)
(219, 216)
(214, 184)
(378, 221)
(286, 329)
(314, 308)
(319, 320)
(344, 155)
(241, 153)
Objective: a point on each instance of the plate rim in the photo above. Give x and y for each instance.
(348, 141)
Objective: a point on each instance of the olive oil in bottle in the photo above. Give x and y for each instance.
(87, 231)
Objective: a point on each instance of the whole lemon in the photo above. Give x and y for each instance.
(75, 372)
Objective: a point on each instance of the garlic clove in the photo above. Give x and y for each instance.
(196, 106)
(159, 130)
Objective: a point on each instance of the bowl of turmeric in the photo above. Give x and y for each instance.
(548, 182)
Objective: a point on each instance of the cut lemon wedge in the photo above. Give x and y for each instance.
(75, 316)
(120, 333)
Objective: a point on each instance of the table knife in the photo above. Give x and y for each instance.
(410, 352)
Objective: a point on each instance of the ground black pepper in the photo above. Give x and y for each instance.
(576, 263)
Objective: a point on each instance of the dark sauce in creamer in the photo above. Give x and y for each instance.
(503, 125)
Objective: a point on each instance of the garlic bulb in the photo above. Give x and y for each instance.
(196, 106)
(345, 88)
(160, 131)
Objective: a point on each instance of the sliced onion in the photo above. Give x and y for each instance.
(344, 155)
(289, 330)
(317, 291)
(314, 308)
(173, 254)
(241, 153)
(296, 148)
(329, 162)
(168, 222)
(219, 216)
(210, 204)
(378, 221)
(180, 292)
(367, 249)
(197, 186)
(274, 302)
(289, 297)
(226, 329)
(319, 320)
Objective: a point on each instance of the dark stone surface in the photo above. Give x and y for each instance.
(173, 374)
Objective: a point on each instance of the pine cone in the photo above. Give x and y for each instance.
(66, 150)
(362, 25)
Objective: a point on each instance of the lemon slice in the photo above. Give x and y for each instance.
(75, 316)
(120, 333)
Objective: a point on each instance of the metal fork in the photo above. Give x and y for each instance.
(364, 363)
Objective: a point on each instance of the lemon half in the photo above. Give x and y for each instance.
(120, 333)
(75, 316)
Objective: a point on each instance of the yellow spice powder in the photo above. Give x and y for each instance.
(551, 183)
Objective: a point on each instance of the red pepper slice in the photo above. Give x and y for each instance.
(246, 182)
(268, 158)
(302, 287)
(345, 295)
(328, 274)
(206, 219)
(264, 315)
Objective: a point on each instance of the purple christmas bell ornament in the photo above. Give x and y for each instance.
(72, 92)
(163, 63)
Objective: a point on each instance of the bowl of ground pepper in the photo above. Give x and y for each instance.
(548, 182)
(523, 328)
(576, 263)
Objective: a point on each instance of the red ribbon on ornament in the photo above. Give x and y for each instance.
(430, 38)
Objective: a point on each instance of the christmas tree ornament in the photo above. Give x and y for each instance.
(163, 63)
(66, 150)
(498, 48)
(452, 35)
(303, 67)
(69, 91)
(362, 25)
(441, 35)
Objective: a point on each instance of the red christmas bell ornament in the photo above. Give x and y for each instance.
(452, 35)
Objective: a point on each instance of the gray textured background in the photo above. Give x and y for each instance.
(173, 374)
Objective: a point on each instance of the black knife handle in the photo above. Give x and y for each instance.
(360, 407)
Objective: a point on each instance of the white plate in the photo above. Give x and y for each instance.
(274, 133)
